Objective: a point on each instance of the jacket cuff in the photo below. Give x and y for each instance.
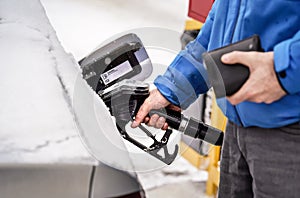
(174, 94)
(287, 66)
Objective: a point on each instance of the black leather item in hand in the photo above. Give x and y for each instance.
(230, 77)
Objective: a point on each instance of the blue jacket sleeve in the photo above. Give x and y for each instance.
(186, 77)
(287, 63)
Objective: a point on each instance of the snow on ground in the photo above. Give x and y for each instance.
(82, 25)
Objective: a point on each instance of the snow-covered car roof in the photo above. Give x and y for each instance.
(37, 124)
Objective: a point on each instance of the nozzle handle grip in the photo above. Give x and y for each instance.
(173, 118)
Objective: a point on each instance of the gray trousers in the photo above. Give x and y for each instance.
(260, 163)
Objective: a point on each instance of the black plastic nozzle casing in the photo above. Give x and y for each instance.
(198, 129)
(193, 128)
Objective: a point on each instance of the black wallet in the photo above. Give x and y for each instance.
(228, 79)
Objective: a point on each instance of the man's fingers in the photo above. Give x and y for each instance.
(154, 101)
(140, 116)
(160, 122)
(241, 95)
(234, 57)
(154, 118)
(247, 59)
(165, 126)
(146, 120)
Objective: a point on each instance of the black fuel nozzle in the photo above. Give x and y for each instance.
(125, 98)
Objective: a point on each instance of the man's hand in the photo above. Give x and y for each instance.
(262, 85)
(154, 101)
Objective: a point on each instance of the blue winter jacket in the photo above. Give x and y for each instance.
(277, 22)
